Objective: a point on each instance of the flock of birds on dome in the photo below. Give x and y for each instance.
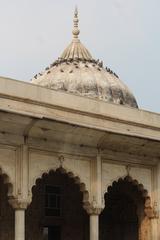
(75, 62)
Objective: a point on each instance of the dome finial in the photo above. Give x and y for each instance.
(75, 26)
(76, 49)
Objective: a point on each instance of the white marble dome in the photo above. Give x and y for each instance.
(77, 72)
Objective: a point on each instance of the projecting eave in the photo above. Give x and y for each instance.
(49, 119)
(36, 101)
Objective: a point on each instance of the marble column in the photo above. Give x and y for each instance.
(19, 207)
(95, 206)
(94, 227)
(19, 224)
(93, 213)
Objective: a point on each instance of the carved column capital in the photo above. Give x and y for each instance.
(93, 210)
(17, 203)
(151, 212)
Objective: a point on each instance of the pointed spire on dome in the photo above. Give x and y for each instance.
(75, 31)
(76, 49)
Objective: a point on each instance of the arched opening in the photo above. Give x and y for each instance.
(124, 210)
(56, 211)
(6, 211)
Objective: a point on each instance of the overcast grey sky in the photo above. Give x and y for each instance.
(125, 34)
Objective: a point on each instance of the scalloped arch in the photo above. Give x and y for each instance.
(70, 174)
(145, 227)
(134, 182)
(130, 179)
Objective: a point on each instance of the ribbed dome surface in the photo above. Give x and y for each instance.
(76, 50)
(77, 72)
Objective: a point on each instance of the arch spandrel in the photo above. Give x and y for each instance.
(112, 172)
(8, 163)
(40, 164)
(8, 182)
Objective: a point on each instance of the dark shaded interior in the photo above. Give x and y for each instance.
(123, 212)
(56, 211)
(6, 213)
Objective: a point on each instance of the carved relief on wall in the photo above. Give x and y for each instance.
(145, 230)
